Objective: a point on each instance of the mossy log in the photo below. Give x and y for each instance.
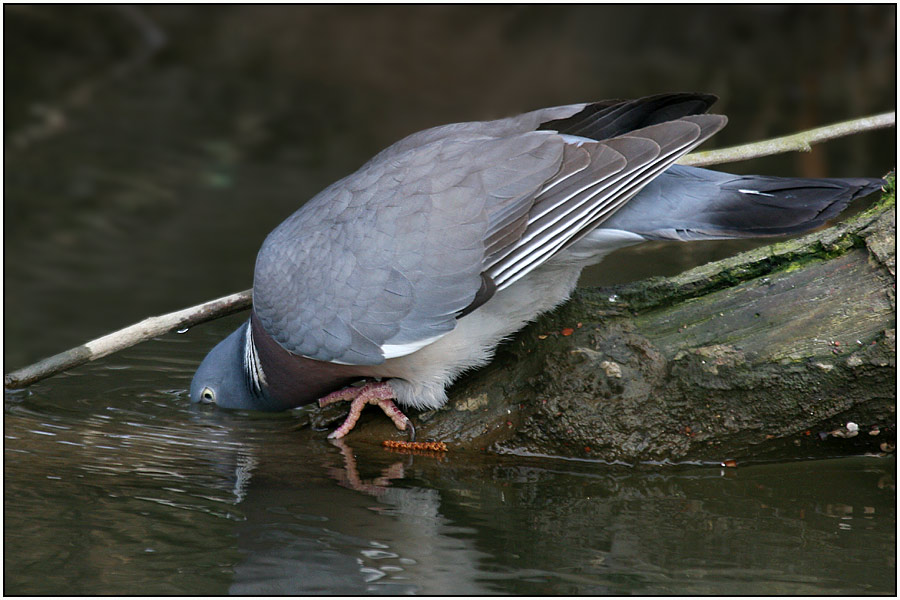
(767, 354)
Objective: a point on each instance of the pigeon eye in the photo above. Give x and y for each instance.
(207, 395)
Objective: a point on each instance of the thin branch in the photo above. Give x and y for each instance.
(155, 326)
(798, 142)
(149, 328)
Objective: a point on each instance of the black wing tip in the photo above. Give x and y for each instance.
(702, 99)
(610, 118)
(705, 99)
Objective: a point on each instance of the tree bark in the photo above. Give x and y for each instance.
(784, 351)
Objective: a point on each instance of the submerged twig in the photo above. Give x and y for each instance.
(208, 311)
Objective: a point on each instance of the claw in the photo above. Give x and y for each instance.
(380, 394)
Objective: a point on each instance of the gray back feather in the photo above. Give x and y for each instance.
(385, 260)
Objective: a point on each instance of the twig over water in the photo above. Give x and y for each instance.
(149, 328)
(798, 142)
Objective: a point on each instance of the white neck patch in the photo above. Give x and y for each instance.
(252, 364)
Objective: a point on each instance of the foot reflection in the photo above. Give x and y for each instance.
(348, 476)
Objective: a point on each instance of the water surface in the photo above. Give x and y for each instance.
(133, 491)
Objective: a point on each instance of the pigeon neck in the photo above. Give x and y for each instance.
(292, 380)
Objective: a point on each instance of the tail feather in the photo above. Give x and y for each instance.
(781, 206)
(687, 203)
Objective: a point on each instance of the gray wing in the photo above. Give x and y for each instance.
(384, 261)
(569, 207)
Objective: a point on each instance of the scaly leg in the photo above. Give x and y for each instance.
(380, 394)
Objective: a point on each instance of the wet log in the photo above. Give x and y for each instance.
(786, 350)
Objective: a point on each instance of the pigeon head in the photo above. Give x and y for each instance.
(223, 378)
(249, 370)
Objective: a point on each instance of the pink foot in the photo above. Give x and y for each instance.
(380, 394)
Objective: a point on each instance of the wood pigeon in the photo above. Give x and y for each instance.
(412, 269)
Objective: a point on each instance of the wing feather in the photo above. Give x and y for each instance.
(566, 216)
(386, 260)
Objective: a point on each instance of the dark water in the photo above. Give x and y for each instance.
(149, 151)
(129, 490)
